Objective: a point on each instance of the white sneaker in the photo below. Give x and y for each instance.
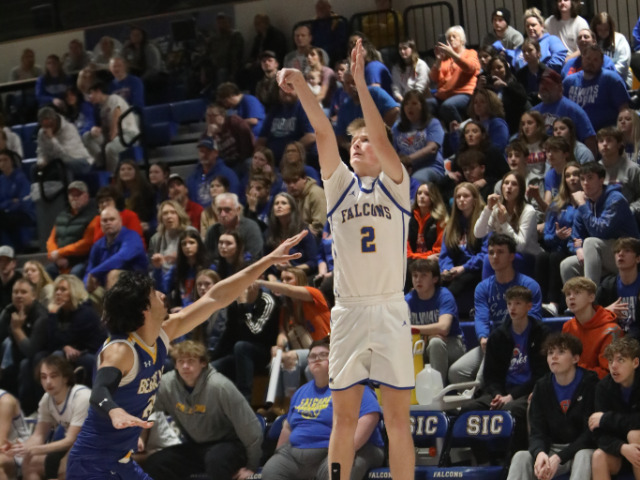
(550, 308)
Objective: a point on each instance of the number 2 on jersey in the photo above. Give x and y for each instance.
(368, 239)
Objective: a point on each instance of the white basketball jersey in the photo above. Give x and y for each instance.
(72, 412)
(19, 427)
(369, 218)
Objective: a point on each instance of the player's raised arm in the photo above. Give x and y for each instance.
(376, 128)
(291, 79)
(227, 290)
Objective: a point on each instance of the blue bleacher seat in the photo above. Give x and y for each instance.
(29, 139)
(188, 111)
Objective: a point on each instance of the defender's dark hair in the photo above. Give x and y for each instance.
(126, 301)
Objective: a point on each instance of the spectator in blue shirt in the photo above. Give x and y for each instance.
(244, 105)
(17, 213)
(124, 84)
(51, 86)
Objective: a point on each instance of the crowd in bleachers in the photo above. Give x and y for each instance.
(524, 162)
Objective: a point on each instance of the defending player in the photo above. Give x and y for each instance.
(370, 327)
(131, 361)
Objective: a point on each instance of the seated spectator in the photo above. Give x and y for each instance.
(132, 185)
(629, 124)
(485, 54)
(558, 153)
(595, 326)
(259, 200)
(603, 216)
(71, 238)
(48, 459)
(27, 68)
(159, 178)
(620, 170)
(15, 430)
(310, 197)
(230, 218)
(110, 197)
(59, 140)
(554, 106)
(455, 74)
(490, 302)
(601, 93)
(105, 142)
(225, 49)
(383, 28)
(376, 73)
(565, 23)
(619, 292)
(225, 442)
(513, 363)
(286, 217)
(233, 138)
(179, 193)
(420, 136)
(286, 123)
(219, 184)
(8, 274)
(104, 51)
(556, 240)
(12, 141)
(178, 283)
(23, 326)
(78, 111)
(410, 72)
(125, 85)
(329, 31)
(303, 444)
(119, 249)
(263, 163)
(614, 422)
(51, 85)
(303, 41)
(267, 87)
(613, 43)
(86, 78)
(560, 440)
(163, 246)
(552, 51)
(351, 109)
(530, 74)
(241, 104)
(17, 212)
(143, 57)
(509, 91)
(327, 76)
(245, 345)
(210, 332)
(295, 155)
(209, 168)
(340, 95)
(473, 166)
(564, 127)
(462, 253)
(502, 31)
(435, 315)
(486, 108)
(75, 58)
(586, 37)
(231, 255)
(533, 134)
(35, 272)
(427, 224)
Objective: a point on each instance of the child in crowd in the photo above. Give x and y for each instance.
(616, 422)
(560, 440)
(595, 326)
(559, 153)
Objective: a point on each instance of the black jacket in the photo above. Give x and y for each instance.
(498, 357)
(619, 417)
(608, 293)
(550, 425)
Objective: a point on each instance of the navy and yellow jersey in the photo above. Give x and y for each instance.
(136, 394)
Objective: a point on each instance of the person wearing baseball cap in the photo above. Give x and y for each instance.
(267, 87)
(503, 32)
(179, 192)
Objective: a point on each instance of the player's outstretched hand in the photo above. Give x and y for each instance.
(286, 77)
(121, 419)
(358, 55)
(281, 254)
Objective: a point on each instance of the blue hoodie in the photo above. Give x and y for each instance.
(465, 256)
(552, 53)
(608, 218)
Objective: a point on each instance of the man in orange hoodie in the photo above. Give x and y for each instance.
(594, 325)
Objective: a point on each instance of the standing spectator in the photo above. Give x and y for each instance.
(50, 86)
(267, 38)
(565, 23)
(76, 58)
(143, 57)
(455, 74)
(105, 142)
(410, 72)
(59, 140)
(225, 49)
(244, 105)
(127, 86)
(232, 138)
(600, 93)
(225, 435)
(613, 43)
(17, 212)
(502, 31)
(267, 87)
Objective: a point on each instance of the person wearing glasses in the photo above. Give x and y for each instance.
(303, 445)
